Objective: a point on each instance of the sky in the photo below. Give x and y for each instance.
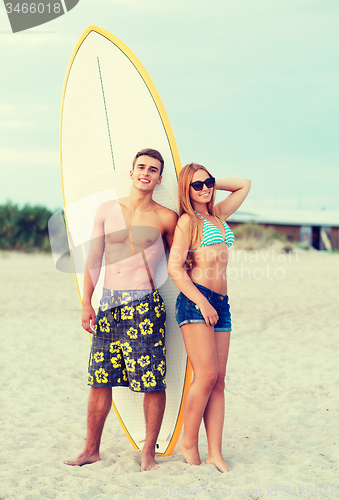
(251, 89)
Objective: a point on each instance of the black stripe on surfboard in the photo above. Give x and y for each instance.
(103, 95)
(149, 90)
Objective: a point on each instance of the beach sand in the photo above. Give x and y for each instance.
(281, 422)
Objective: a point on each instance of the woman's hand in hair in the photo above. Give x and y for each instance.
(239, 190)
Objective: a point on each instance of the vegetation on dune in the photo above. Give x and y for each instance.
(256, 231)
(25, 228)
(251, 236)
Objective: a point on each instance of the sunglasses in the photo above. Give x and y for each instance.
(198, 185)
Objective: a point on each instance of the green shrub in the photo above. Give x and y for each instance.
(257, 231)
(24, 228)
(251, 236)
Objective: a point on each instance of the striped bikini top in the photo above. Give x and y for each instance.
(211, 234)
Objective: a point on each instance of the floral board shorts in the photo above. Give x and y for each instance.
(128, 346)
(188, 312)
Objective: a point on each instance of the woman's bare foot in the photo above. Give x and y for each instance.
(84, 459)
(219, 462)
(148, 462)
(191, 455)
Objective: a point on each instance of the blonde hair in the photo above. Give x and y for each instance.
(185, 204)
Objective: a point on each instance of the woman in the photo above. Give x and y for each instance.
(197, 264)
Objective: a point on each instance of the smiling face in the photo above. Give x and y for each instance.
(205, 195)
(146, 173)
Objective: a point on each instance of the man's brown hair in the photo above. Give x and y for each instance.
(153, 153)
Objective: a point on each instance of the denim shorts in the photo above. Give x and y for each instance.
(187, 311)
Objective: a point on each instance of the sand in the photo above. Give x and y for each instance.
(281, 421)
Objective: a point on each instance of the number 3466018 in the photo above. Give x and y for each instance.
(33, 8)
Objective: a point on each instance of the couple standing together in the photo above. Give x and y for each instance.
(128, 347)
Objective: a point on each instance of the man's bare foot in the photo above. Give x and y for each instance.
(219, 462)
(191, 455)
(84, 459)
(147, 461)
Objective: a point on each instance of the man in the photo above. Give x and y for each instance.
(128, 342)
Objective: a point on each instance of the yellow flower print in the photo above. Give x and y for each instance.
(116, 361)
(161, 367)
(162, 331)
(127, 312)
(135, 385)
(95, 328)
(119, 380)
(149, 380)
(146, 327)
(126, 298)
(144, 361)
(159, 309)
(91, 360)
(124, 374)
(101, 376)
(130, 365)
(156, 296)
(143, 308)
(158, 343)
(115, 347)
(164, 324)
(98, 357)
(104, 306)
(126, 348)
(132, 332)
(90, 379)
(164, 350)
(103, 324)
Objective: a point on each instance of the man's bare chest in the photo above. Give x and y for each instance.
(123, 227)
(141, 237)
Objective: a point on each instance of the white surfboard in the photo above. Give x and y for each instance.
(110, 111)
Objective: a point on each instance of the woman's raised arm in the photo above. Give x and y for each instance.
(239, 190)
